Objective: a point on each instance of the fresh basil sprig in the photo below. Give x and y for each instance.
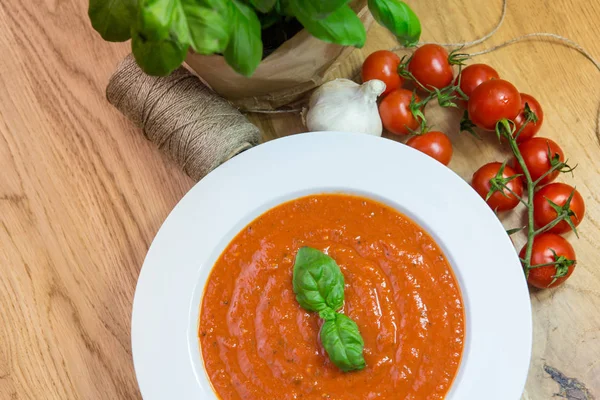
(319, 286)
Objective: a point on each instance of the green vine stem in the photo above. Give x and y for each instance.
(446, 96)
(506, 128)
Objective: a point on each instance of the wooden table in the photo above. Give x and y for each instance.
(82, 193)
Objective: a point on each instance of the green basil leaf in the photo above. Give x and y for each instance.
(282, 7)
(342, 341)
(163, 55)
(341, 26)
(264, 6)
(158, 17)
(317, 281)
(112, 19)
(208, 24)
(244, 51)
(158, 58)
(399, 18)
(319, 9)
(204, 23)
(166, 29)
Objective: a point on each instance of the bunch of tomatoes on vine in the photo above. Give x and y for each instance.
(490, 104)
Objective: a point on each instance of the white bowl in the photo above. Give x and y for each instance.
(164, 331)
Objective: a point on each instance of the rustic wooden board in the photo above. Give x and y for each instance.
(82, 193)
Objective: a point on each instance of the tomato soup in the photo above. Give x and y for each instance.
(258, 343)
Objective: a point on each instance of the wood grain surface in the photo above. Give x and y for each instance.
(82, 193)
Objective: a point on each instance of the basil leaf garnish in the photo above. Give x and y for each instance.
(318, 281)
(319, 286)
(342, 341)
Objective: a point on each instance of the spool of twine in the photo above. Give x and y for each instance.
(198, 129)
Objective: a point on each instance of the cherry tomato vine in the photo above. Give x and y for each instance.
(491, 104)
(506, 129)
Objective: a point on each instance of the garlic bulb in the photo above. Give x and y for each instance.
(345, 106)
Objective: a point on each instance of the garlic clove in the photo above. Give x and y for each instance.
(372, 89)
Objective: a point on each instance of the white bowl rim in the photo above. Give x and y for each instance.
(165, 347)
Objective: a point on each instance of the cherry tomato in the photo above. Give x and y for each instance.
(486, 177)
(532, 127)
(492, 101)
(430, 66)
(396, 114)
(434, 144)
(474, 75)
(545, 246)
(383, 65)
(558, 193)
(535, 152)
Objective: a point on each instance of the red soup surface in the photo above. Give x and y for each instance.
(259, 344)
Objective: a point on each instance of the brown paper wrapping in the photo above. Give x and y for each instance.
(299, 65)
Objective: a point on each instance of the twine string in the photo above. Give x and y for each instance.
(198, 129)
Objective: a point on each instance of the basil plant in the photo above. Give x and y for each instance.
(163, 31)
